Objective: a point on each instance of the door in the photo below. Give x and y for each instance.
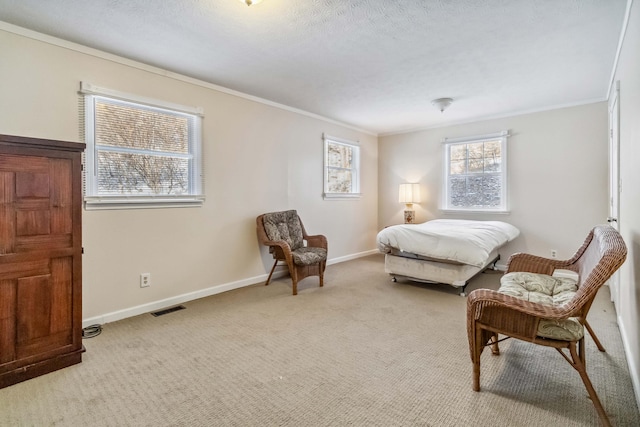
(614, 176)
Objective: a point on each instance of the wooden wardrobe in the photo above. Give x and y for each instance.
(40, 257)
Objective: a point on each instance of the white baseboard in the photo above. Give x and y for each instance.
(633, 369)
(352, 256)
(179, 299)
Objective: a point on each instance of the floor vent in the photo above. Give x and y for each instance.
(168, 310)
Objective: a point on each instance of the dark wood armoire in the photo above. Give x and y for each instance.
(40, 257)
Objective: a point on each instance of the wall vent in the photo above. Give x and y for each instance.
(167, 310)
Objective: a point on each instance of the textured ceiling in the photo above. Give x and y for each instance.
(374, 64)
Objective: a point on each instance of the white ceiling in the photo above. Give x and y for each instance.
(373, 64)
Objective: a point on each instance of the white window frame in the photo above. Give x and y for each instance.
(93, 200)
(355, 169)
(446, 144)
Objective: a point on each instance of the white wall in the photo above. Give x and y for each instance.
(628, 308)
(557, 175)
(257, 158)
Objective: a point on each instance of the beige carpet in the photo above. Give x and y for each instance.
(362, 351)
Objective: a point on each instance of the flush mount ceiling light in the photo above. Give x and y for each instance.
(250, 2)
(442, 103)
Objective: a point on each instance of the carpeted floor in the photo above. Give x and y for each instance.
(362, 351)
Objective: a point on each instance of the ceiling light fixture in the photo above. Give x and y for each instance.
(250, 2)
(442, 103)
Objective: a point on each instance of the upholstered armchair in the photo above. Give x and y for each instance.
(285, 235)
(534, 305)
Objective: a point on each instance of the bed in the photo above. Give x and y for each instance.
(450, 251)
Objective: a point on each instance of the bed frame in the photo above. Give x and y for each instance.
(432, 271)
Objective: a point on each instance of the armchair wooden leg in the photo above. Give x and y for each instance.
(476, 376)
(271, 272)
(477, 352)
(593, 335)
(579, 365)
(294, 279)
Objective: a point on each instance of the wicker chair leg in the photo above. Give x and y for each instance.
(294, 279)
(321, 268)
(593, 335)
(477, 352)
(579, 365)
(476, 376)
(271, 272)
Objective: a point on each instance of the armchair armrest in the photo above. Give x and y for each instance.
(535, 264)
(317, 241)
(281, 246)
(511, 315)
(479, 299)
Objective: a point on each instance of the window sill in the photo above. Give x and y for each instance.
(341, 196)
(92, 203)
(474, 211)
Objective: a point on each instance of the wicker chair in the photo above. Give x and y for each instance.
(285, 235)
(490, 313)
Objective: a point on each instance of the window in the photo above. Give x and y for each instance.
(341, 168)
(475, 173)
(140, 152)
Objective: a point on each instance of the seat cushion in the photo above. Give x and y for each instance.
(308, 255)
(284, 226)
(547, 290)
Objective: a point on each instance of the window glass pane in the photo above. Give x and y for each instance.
(475, 191)
(492, 148)
(458, 152)
(475, 150)
(474, 158)
(492, 156)
(492, 164)
(123, 125)
(492, 189)
(476, 165)
(339, 156)
(458, 167)
(135, 174)
(458, 191)
(339, 181)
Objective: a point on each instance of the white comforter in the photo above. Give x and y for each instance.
(467, 242)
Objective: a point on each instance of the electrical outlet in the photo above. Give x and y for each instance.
(554, 253)
(145, 280)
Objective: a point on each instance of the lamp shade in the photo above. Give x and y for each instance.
(409, 193)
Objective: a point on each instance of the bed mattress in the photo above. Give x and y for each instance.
(447, 240)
